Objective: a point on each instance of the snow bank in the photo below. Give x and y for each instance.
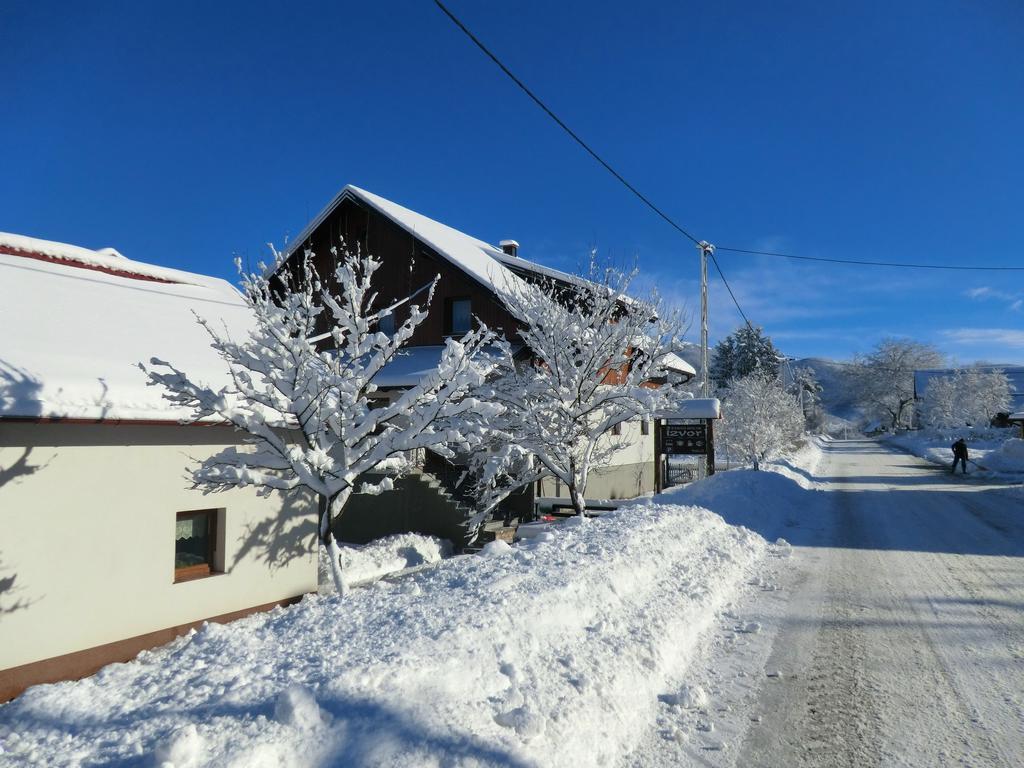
(553, 652)
(801, 464)
(391, 554)
(770, 503)
(1009, 457)
(993, 452)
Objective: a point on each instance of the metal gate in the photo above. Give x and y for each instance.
(679, 474)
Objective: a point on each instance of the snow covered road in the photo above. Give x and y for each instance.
(903, 639)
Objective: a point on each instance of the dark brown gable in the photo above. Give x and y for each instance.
(370, 230)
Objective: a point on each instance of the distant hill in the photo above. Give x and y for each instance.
(833, 376)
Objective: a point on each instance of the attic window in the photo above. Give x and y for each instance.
(459, 316)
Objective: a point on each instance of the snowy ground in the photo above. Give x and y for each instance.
(902, 641)
(885, 629)
(558, 651)
(996, 453)
(389, 556)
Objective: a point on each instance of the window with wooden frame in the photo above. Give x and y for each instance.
(195, 544)
(458, 316)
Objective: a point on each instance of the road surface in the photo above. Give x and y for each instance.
(902, 640)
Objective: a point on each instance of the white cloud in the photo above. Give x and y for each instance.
(1006, 337)
(1014, 300)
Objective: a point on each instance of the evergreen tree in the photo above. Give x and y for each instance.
(745, 351)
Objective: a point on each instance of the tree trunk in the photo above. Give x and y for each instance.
(577, 501)
(330, 509)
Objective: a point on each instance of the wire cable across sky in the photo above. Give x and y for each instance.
(866, 263)
(668, 219)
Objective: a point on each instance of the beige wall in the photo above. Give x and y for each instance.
(87, 518)
(629, 473)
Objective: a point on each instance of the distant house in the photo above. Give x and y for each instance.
(106, 549)
(413, 250)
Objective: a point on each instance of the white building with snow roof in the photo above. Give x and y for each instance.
(106, 548)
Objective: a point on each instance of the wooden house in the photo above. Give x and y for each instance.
(413, 250)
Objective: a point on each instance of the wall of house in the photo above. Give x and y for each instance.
(629, 473)
(88, 520)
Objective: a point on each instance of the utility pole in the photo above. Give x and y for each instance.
(706, 249)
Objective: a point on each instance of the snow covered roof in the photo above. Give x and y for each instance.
(475, 257)
(695, 408)
(105, 260)
(674, 362)
(77, 323)
(486, 263)
(413, 363)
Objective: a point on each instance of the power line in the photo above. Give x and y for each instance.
(643, 198)
(729, 289)
(865, 263)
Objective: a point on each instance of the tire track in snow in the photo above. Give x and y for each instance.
(884, 676)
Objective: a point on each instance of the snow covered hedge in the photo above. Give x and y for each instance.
(548, 653)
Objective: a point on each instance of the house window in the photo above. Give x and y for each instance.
(460, 317)
(645, 427)
(617, 429)
(195, 543)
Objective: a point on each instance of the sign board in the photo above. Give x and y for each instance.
(685, 439)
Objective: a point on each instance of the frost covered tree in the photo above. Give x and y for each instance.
(939, 407)
(985, 394)
(760, 419)
(742, 352)
(971, 396)
(303, 390)
(807, 389)
(882, 381)
(596, 358)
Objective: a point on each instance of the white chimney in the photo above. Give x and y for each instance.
(511, 247)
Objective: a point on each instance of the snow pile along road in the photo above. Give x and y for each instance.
(1007, 458)
(553, 652)
(362, 565)
(993, 452)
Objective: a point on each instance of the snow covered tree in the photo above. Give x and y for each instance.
(939, 406)
(985, 393)
(807, 389)
(972, 396)
(883, 379)
(760, 418)
(303, 390)
(597, 358)
(741, 353)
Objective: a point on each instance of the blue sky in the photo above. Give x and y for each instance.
(183, 133)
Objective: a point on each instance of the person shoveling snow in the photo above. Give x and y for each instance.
(959, 455)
